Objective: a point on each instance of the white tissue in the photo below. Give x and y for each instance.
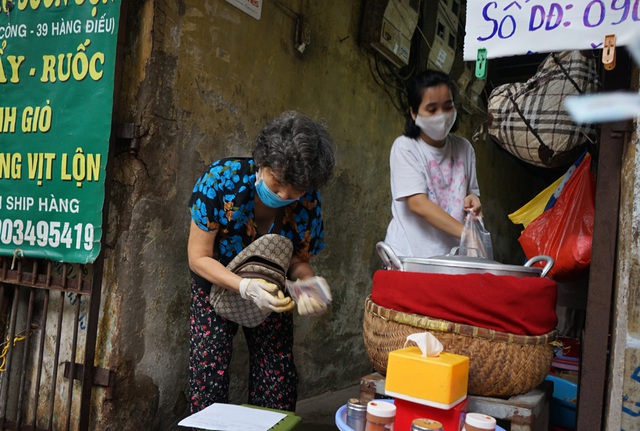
(429, 345)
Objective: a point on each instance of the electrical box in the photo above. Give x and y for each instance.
(475, 91)
(464, 79)
(451, 9)
(388, 26)
(441, 29)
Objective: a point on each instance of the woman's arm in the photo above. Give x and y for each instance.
(431, 212)
(201, 261)
(300, 269)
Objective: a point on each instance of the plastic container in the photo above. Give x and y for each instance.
(479, 422)
(356, 414)
(380, 416)
(424, 424)
(563, 403)
(341, 416)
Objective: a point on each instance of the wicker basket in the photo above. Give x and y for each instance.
(500, 364)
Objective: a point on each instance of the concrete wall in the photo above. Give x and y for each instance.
(200, 78)
(624, 386)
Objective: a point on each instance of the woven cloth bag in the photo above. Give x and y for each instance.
(529, 119)
(268, 258)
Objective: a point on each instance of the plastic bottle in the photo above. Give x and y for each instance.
(380, 416)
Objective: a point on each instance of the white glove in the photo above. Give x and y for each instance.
(309, 306)
(265, 295)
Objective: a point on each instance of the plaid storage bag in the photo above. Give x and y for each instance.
(529, 119)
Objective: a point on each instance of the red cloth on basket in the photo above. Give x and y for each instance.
(518, 305)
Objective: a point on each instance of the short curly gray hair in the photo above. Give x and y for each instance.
(298, 149)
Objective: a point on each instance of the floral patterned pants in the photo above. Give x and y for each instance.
(273, 378)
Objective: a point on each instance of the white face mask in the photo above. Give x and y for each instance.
(437, 127)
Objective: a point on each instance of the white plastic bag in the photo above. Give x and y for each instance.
(475, 240)
(314, 287)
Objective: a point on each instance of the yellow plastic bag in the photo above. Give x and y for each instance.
(532, 209)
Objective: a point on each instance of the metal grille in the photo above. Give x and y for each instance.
(48, 329)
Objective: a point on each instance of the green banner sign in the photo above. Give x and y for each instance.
(57, 63)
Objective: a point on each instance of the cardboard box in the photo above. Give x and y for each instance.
(439, 381)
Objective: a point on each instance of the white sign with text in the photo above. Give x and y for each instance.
(516, 27)
(251, 7)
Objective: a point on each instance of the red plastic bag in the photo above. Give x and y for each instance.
(565, 231)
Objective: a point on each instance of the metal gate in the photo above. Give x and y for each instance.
(49, 321)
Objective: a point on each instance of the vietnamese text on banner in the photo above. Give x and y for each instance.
(516, 27)
(57, 68)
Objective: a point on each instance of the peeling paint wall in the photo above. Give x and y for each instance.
(200, 78)
(624, 386)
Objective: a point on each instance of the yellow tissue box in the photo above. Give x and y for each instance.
(439, 381)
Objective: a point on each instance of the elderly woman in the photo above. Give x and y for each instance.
(234, 202)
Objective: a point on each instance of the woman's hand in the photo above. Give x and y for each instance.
(267, 296)
(472, 203)
(299, 268)
(312, 295)
(310, 306)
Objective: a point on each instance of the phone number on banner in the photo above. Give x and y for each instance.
(506, 27)
(47, 234)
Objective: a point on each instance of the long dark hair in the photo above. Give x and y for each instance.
(415, 90)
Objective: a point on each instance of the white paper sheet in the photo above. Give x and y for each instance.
(229, 417)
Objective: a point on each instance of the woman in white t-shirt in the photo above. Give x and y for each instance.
(433, 173)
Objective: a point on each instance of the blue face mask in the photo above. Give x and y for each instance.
(268, 197)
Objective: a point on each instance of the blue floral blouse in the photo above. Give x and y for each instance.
(223, 200)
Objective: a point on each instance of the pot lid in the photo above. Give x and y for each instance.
(456, 261)
(392, 261)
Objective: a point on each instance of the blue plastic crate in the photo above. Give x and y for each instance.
(563, 403)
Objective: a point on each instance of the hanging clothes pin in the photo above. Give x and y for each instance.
(481, 63)
(609, 52)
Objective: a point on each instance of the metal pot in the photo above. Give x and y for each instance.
(455, 264)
